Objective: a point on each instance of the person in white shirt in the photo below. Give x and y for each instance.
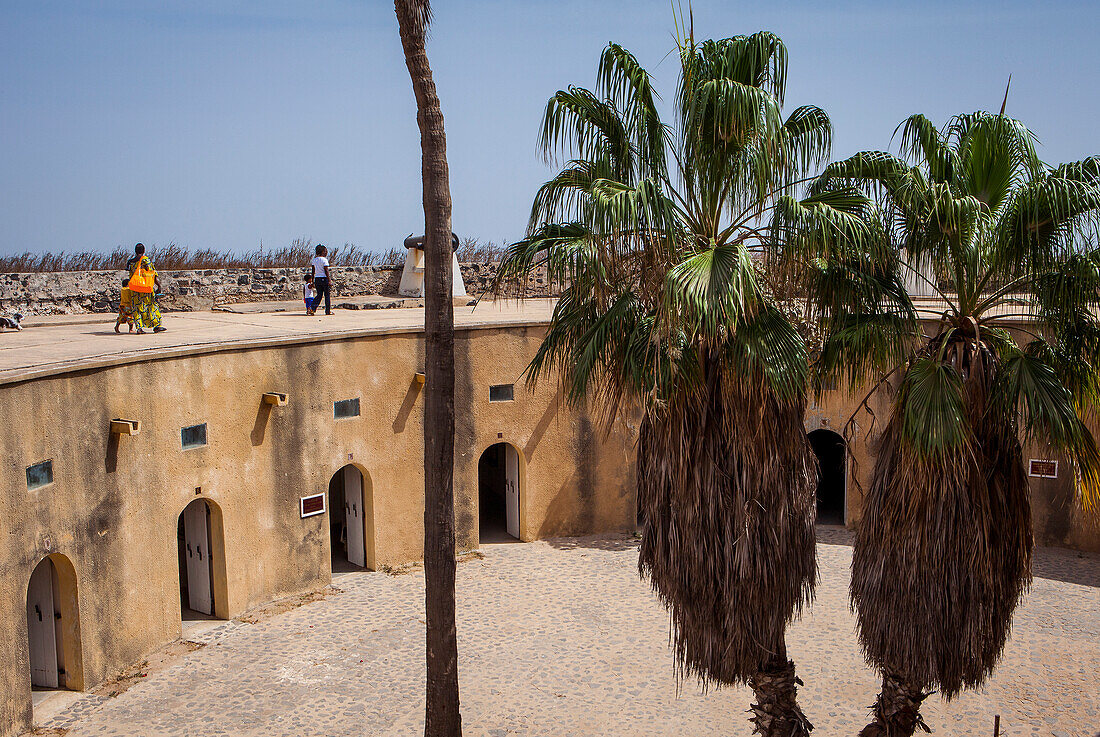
(320, 281)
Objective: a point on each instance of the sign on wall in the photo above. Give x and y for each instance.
(311, 505)
(1042, 469)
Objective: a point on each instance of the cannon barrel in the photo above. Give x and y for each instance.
(417, 241)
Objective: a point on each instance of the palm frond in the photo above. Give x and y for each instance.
(769, 345)
(920, 140)
(712, 292)
(806, 139)
(576, 121)
(1042, 218)
(932, 409)
(1050, 412)
(628, 85)
(1085, 170)
(869, 171)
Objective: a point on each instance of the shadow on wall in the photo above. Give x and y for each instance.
(259, 427)
(110, 461)
(407, 405)
(574, 507)
(548, 416)
(1053, 505)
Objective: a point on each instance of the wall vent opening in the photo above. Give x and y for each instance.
(193, 436)
(502, 392)
(39, 475)
(345, 408)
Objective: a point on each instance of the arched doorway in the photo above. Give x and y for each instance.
(351, 520)
(832, 456)
(499, 486)
(198, 535)
(53, 625)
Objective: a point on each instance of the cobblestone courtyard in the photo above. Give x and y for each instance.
(562, 638)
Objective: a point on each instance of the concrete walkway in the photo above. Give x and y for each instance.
(53, 347)
(561, 638)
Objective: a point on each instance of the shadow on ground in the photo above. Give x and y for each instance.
(614, 542)
(1054, 564)
(1070, 566)
(834, 535)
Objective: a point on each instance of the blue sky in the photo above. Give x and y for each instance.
(218, 124)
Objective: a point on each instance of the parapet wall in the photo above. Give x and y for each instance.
(74, 292)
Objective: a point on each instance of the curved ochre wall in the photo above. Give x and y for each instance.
(113, 508)
(109, 519)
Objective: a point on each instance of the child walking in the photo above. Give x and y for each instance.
(308, 292)
(125, 308)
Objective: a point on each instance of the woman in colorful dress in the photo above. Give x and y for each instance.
(143, 284)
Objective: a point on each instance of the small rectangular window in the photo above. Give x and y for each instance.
(194, 436)
(502, 393)
(345, 408)
(39, 475)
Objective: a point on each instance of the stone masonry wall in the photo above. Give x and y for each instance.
(73, 292)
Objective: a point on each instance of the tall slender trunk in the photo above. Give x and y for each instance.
(441, 709)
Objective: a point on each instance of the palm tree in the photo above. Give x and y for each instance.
(653, 233)
(441, 711)
(1006, 356)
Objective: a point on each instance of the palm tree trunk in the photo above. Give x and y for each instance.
(897, 710)
(441, 708)
(776, 712)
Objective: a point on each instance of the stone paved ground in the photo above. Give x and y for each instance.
(562, 638)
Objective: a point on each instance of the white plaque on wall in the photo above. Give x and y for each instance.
(311, 505)
(1042, 469)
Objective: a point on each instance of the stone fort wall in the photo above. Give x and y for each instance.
(75, 292)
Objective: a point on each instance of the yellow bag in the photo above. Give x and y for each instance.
(143, 279)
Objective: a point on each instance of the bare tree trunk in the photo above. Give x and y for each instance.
(896, 712)
(441, 710)
(776, 712)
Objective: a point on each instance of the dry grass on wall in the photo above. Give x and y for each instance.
(173, 257)
(179, 258)
(473, 251)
